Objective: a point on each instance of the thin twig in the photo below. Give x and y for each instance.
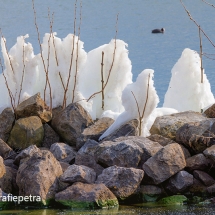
(200, 41)
(71, 60)
(23, 70)
(191, 18)
(111, 67)
(77, 49)
(102, 80)
(208, 3)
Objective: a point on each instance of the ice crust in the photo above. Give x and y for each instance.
(185, 91)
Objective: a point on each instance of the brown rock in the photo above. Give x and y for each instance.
(210, 152)
(163, 141)
(5, 150)
(197, 136)
(128, 129)
(203, 177)
(71, 122)
(168, 125)
(210, 112)
(2, 167)
(75, 173)
(94, 131)
(165, 163)
(7, 119)
(34, 106)
(64, 166)
(122, 181)
(81, 195)
(198, 187)
(39, 175)
(50, 136)
(197, 162)
(26, 132)
(211, 189)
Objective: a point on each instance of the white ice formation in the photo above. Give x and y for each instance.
(186, 92)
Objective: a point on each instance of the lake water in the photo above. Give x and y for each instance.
(136, 20)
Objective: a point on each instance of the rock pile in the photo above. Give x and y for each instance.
(57, 156)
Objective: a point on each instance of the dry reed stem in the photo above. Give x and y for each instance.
(191, 18)
(71, 60)
(41, 53)
(200, 41)
(144, 108)
(111, 67)
(102, 80)
(23, 70)
(208, 3)
(76, 66)
(9, 91)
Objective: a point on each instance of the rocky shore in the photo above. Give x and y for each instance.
(56, 155)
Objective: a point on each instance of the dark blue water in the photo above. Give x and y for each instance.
(136, 20)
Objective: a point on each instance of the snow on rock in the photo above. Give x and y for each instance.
(120, 76)
(139, 89)
(186, 92)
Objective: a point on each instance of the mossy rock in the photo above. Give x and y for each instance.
(173, 200)
(150, 198)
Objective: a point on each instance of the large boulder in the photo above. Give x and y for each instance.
(81, 195)
(165, 163)
(179, 183)
(86, 156)
(5, 150)
(38, 176)
(70, 123)
(197, 162)
(34, 106)
(50, 136)
(210, 112)
(75, 173)
(168, 125)
(197, 136)
(94, 131)
(7, 119)
(128, 129)
(122, 181)
(26, 131)
(63, 152)
(123, 153)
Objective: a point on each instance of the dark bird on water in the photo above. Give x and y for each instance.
(155, 31)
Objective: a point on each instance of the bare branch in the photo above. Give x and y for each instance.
(208, 3)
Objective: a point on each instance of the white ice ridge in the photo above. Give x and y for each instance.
(139, 89)
(186, 92)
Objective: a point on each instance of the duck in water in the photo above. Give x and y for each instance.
(158, 31)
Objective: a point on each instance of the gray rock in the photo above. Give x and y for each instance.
(165, 163)
(10, 163)
(26, 154)
(198, 187)
(197, 162)
(63, 152)
(128, 129)
(5, 150)
(197, 136)
(179, 183)
(149, 147)
(94, 131)
(150, 193)
(26, 131)
(123, 153)
(81, 195)
(203, 177)
(75, 173)
(64, 166)
(70, 123)
(210, 152)
(7, 119)
(85, 156)
(34, 106)
(185, 151)
(39, 175)
(168, 125)
(122, 181)
(211, 189)
(50, 136)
